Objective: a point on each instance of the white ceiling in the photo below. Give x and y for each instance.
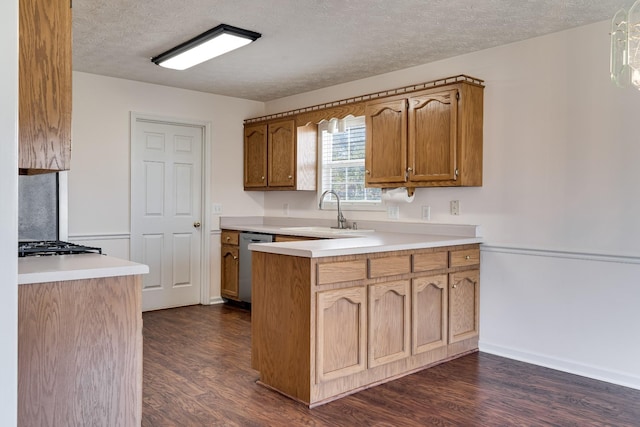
(308, 44)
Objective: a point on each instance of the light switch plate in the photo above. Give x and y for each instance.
(455, 207)
(216, 208)
(426, 213)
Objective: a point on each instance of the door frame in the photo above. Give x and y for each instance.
(205, 242)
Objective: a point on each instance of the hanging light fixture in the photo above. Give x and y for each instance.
(215, 42)
(625, 47)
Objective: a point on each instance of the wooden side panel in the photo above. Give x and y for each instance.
(282, 154)
(389, 320)
(433, 136)
(255, 156)
(470, 142)
(429, 313)
(45, 85)
(281, 322)
(229, 271)
(340, 333)
(386, 142)
(287, 238)
(464, 303)
(80, 353)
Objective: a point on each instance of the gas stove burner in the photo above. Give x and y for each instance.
(54, 247)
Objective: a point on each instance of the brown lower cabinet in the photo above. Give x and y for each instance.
(80, 352)
(229, 264)
(333, 326)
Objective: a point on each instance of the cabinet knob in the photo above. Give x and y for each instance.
(454, 286)
(228, 238)
(262, 178)
(467, 257)
(368, 172)
(235, 257)
(290, 177)
(409, 169)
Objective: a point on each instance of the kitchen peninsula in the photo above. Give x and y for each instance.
(79, 340)
(334, 316)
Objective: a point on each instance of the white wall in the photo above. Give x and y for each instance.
(9, 213)
(561, 149)
(99, 180)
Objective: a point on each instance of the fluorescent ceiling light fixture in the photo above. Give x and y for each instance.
(215, 42)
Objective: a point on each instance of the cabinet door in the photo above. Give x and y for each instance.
(229, 272)
(386, 142)
(282, 154)
(340, 332)
(255, 156)
(464, 299)
(45, 85)
(433, 137)
(389, 316)
(429, 313)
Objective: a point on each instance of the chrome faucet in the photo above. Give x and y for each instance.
(342, 221)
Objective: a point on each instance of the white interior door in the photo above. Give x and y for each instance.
(166, 211)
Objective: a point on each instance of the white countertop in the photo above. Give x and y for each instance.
(369, 243)
(42, 269)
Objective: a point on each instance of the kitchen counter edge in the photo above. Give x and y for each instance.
(44, 269)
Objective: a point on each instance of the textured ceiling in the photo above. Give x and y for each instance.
(308, 44)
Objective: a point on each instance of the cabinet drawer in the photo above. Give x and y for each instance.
(389, 266)
(342, 271)
(464, 258)
(229, 237)
(430, 261)
(285, 238)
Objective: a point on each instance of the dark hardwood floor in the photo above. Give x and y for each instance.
(197, 373)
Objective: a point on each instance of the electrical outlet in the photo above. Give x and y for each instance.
(455, 207)
(216, 208)
(426, 213)
(393, 212)
(285, 209)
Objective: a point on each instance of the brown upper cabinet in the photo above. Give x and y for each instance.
(279, 155)
(425, 135)
(429, 138)
(44, 86)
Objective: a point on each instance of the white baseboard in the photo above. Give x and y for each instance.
(216, 300)
(568, 366)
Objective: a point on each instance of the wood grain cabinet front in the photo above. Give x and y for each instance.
(464, 305)
(279, 155)
(429, 299)
(45, 86)
(430, 138)
(229, 264)
(340, 331)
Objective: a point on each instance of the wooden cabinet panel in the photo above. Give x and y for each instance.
(286, 238)
(80, 353)
(340, 329)
(429, 313)
(389, 266)
(389, 320)
(229, 272)
(255, 156)
(229, 237)
(464, 300)
(342, 271)
(385, 145)
(45, 85)
(433, 136)
(464, 258)
(430, 261)
(281, 153)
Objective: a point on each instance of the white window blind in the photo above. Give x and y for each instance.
(342, 162)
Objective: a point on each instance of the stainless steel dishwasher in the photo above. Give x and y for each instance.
(244, 285)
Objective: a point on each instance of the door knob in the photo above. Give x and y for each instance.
(196, 224)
